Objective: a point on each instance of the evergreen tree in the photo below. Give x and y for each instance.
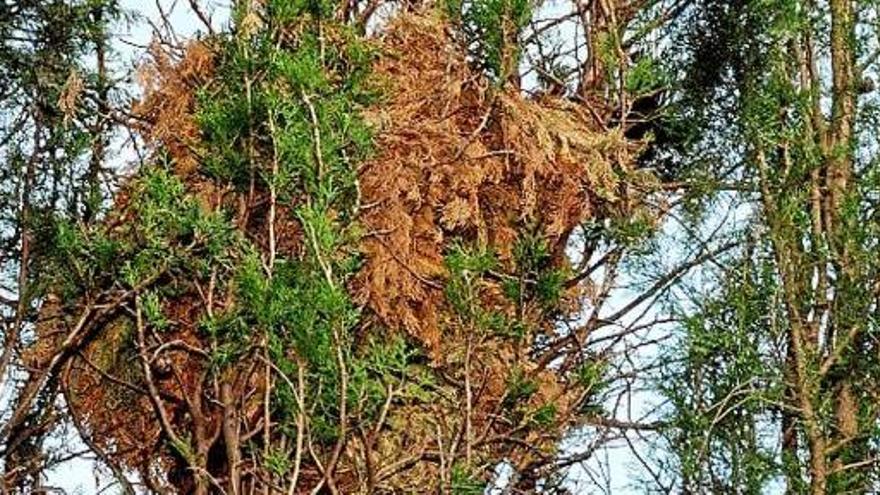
(777, 379)
(55, 104)
(378, 247)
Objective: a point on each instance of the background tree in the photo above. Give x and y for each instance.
(53, 147)
(779, 370)
(363, 262)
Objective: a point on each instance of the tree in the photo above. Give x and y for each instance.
(786, 342)
(347, 264)
(55, 107)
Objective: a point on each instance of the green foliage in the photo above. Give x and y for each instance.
(760, 113)
(723, 389)
(531, 252)
(538, 278)
(591, 375)
(631, 230)
(280, 124)
(464, 483)
(48, 130)
(170, 232)
(550, 285)
(278, 462)
(491, 30)
(466, 262)
(183, 448)
(646, 76)
(229, 335)
(544, 415)
(520, 389)
(153, 311)
(87, 257)
(467, 265)
(222, 119)
(289, 11)
(283, 115)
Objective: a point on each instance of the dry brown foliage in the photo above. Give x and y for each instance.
(169, 102)
(458, 160)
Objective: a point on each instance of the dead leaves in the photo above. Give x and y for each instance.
(456, 159)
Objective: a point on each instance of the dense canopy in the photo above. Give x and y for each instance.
(481, 246)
